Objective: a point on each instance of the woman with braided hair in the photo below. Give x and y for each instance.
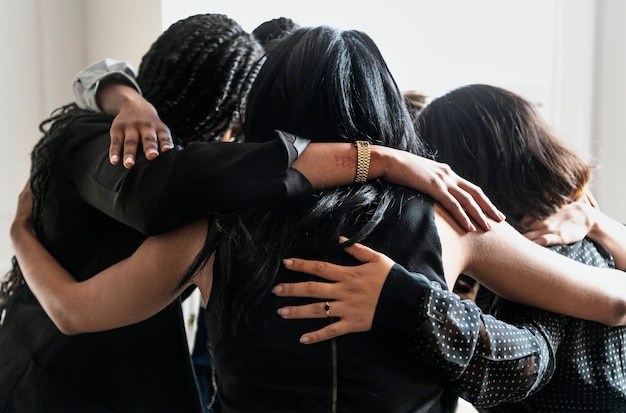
(144, 367)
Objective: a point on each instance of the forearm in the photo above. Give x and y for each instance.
(180, 185)
(452, 335)
(87, 82)
(333, 164)
(328, 165)
(113, 95)
(611, 235)
(46, 278)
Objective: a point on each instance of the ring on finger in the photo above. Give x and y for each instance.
(327, 309)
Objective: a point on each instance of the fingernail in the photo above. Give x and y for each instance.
(304, 340)
(283, 311)
(288, 262)
(153, 152)
(278, 289)
(342, 239)
(129, 160)
(115, 159)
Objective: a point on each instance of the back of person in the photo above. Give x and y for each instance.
(365, 372)
(143, 367)
(321, 83)
(499, 141)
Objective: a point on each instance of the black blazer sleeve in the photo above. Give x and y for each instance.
(181, 184)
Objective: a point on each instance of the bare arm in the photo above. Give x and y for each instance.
(522, 271)
(128, 292)
(334, 164)
(502, 259)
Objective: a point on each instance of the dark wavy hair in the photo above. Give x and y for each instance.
(197, 75)
(498, 140)
(323, 84)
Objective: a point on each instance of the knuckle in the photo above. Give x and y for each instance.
(131, 140)
(311, 287)
(294, 312)
(319, 267)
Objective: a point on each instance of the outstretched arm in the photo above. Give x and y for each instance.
(128, 292)
(112, 85)
(334, 164)
(508, 264)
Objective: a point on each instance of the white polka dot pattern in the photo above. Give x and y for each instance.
(591, 357)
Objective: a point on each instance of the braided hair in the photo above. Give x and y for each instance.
(43, 155)
(196, 74)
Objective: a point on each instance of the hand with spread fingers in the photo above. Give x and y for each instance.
(136, 124)
(351, 297)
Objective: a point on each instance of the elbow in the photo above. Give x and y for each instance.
(617, 314)
(66, 323)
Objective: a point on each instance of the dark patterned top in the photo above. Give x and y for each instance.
(495, 362)
(590, 356)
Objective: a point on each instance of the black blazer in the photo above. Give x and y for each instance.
(96, 214)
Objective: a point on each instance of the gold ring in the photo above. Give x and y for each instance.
(327, 309)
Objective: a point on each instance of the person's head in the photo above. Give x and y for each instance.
(499, 141)
(327, 84)
(270, 31)
(322, 84)
(197, 75)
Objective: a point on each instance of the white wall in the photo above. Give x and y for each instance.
(575, 72)
(44, 43)
(609, 107)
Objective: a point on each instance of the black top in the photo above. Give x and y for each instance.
(144, 367)
(264, 368)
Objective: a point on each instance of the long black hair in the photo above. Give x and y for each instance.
(322, 84)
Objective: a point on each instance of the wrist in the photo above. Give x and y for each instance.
(20, 231)
(380, 160)
(113, 96)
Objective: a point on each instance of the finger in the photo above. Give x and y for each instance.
(149, 142)
(115, 148)
(479, 196)
(322, 269)
(165, 140)
(528, 221)
(362, 253)
(541, 238)
(452, 205)
(314, 310)
(476, 204)
(532, 235)
(131, 144)
(312, 289)
(331, 331)
(547, 240)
